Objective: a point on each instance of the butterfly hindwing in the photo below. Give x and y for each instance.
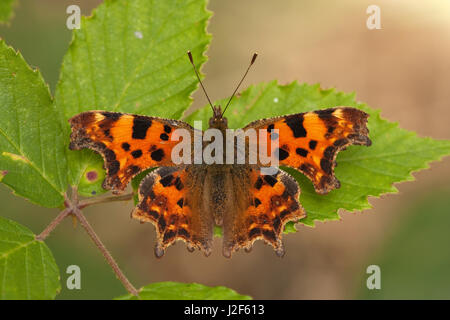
(262, 205)
(309, 142)
(128, 143)
(172, 199)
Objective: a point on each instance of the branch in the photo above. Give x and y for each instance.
(89, 202)
(73, 207)
(130, 288)
(60, 217)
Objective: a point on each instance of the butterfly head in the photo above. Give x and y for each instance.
(218, 121)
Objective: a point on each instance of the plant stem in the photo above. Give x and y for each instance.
(60, 217)
(73, 207)
(83, 221)
(89, 202)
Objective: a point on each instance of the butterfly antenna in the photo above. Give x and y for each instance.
(198, 77)
(251, 62)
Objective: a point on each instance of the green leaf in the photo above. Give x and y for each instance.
(130, 56)
(32, 148)
(6, 10)
(27, 267)
(184, 291)
(93, 174)
(363, 171)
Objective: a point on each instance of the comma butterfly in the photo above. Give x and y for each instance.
(185, 201)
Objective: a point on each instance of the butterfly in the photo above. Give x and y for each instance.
(186, 201)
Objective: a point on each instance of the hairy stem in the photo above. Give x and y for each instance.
(73, 207)
(89, 202)
(83, 221)
(60, 217)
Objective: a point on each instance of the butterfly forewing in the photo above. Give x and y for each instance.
(309, 142)
(128, 143)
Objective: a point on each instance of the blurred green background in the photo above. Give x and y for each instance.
(402, 69)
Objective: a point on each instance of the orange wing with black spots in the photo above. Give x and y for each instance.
(309, 142)
(271, 201)
(171, 199)
(128, 143)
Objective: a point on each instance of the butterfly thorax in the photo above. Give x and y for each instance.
(218, 121)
